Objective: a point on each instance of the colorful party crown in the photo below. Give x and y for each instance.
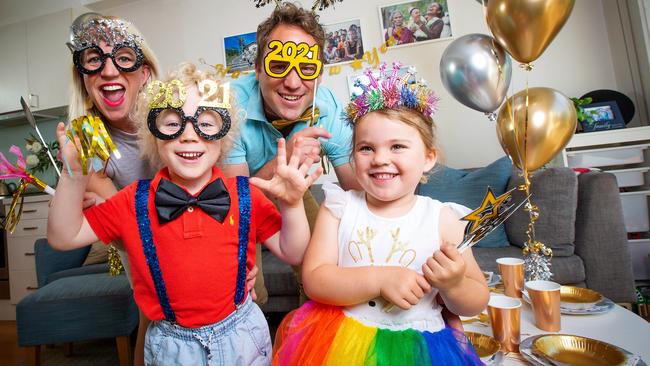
(390, 91)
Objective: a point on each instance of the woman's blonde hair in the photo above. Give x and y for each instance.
(80, 103)
(188, 74)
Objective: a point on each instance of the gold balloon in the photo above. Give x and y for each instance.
(533, 133)
(526, 27)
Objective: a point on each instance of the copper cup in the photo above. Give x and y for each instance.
(512, 275)
(505, 315)
(545, 299)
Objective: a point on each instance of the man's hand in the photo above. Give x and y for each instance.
(309, 146)
(290, 180)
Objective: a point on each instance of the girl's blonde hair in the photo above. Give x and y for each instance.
(80, 103)
(424, 125)
(188, 74)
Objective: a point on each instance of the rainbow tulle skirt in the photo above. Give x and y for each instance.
(317, 334)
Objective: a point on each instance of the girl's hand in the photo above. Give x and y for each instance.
(68, 151)
(289, 181)
(445, 269)
(402, 286)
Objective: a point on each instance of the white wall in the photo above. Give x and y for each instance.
(576, 62)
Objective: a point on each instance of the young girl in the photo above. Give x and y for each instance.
(379, 257)
(190, 233)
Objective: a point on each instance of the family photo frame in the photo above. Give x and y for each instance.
(240, 51)
(602, 116)
(414, 22)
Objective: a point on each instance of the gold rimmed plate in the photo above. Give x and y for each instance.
(578, 298)
(564, 349)
(486, 347)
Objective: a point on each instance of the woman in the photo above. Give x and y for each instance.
(397, 30)
(109, 89)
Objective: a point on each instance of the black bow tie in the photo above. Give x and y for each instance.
(171, 200)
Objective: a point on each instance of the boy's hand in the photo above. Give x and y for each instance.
(402, 286)
(289, 181)
(250, 282)
(68, 151)
(445, 269)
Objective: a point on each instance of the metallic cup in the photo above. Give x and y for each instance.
(505, 315)
(512, 275)
(545, 299)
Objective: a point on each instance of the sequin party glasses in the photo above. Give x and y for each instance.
(91, 60)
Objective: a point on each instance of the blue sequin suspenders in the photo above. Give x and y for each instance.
(144, 227)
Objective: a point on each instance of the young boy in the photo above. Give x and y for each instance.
(190, 233)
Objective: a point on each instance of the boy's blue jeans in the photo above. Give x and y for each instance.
(242, 338)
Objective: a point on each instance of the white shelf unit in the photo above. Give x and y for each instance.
(20, 245)
(626, 154)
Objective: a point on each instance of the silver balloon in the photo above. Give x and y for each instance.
(476, 70)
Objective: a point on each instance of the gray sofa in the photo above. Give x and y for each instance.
(581, 220)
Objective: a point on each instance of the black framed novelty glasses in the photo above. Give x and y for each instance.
(210, 123)
(92, 59)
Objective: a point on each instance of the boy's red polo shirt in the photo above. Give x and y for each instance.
(197, 254)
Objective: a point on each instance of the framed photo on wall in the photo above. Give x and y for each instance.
(240, 51)
(343, 42)
(413, 22)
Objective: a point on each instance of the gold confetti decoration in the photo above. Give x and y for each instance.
(90, 139)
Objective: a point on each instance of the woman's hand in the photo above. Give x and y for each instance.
(445, 269)
(69, 154)
(290, 180)
(402, 286)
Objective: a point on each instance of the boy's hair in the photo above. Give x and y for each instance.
(411, 117)
(289, 14)
(80, 103)
(188, 74)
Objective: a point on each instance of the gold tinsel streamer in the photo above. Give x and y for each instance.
(90, 138)
(12, 217)
(115, 266)
(537, 256)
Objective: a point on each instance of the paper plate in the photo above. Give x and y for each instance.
(525, 348)
(564, 349)
(487, 348)
(578, 298)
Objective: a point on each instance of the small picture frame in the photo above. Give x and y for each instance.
(343, 42)
(240, 51)
(602, 116)
(414, 22)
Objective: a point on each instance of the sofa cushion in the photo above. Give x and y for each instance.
(279, 277)
(78, 271)
(468, 188)
(555, 192)
(77, 308)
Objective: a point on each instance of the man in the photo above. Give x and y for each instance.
(279, 104)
